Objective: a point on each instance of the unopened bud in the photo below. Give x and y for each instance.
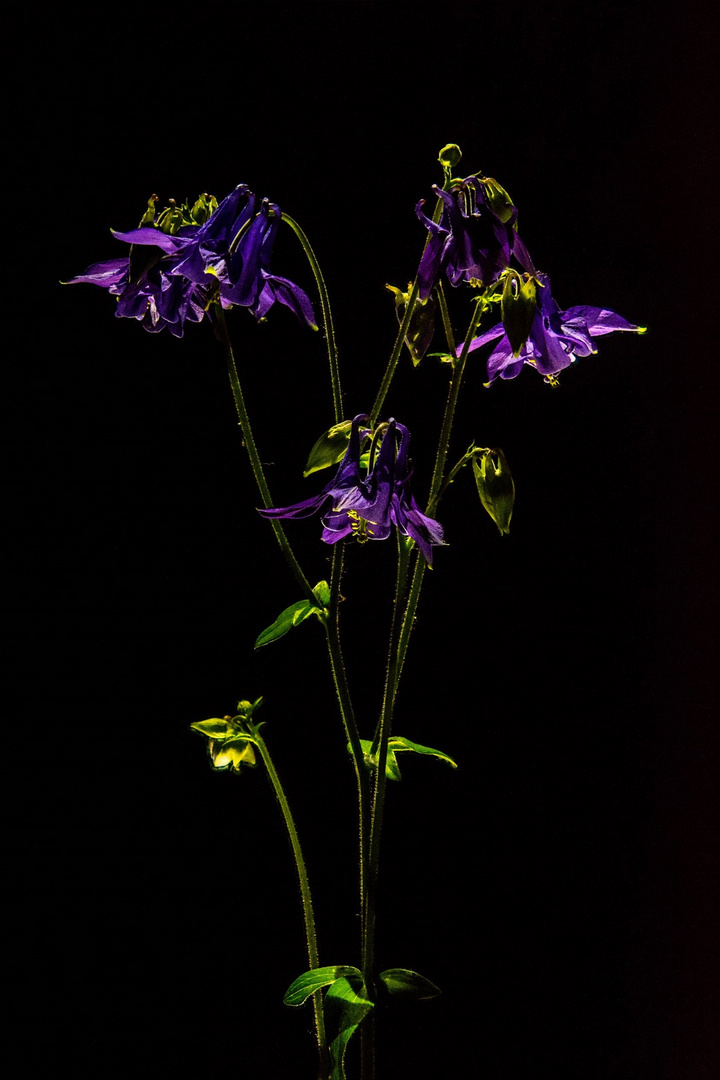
(450, 156)
(495, 486)
(518, 305)
(498, 199)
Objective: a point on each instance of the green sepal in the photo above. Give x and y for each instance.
(495, 486)
(500, 202)
(296, 614)
(232, 753)
(216, 728)
(422, 322)
(330, 448)
(310, 981)
(518, 306)
(396, 744)
(346, 1006)
(408, 985)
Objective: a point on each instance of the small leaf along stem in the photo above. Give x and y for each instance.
(307, 904)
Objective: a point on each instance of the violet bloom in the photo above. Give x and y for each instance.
(471, 242)
(181, 273)
(243, 270)
(368, 507)
(556, 339)
(155, 297)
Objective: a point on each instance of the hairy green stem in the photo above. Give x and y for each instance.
(394, 355)
(379, 754)
(326, 314)
(436, 487)
(347, 713)
(255, 462)
(307, 904)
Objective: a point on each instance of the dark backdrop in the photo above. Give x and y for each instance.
(559, 885)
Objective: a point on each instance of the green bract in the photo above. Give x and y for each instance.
(330, 448)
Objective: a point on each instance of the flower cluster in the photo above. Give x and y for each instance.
(556, 338)
(184, 259)
(368, 506)
(475, 240)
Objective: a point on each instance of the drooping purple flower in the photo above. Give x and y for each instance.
(473, 240)
(243, 270)
(182, 272)
(556, 339)
(368, 506)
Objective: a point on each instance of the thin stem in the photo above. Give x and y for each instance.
(394, 355)
(307, 904)
(250, 446)
(380, 753)
(347, 713)
(447, 325)
(451, 405)
(326, 315)
(436, 486)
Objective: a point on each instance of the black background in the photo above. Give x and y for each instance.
(559, 886)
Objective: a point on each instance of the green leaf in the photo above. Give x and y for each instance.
(408, 985)
(391, 766)
(330, 448)
(215, 728)
(495, 486)
(346, 1006)
(310, 981)
(295, 614)
(397, 743)
(322, 593)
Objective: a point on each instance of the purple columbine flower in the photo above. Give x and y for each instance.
(243, 270)
(472, 241)
(368, 507)
(182, 272)
(556, 339)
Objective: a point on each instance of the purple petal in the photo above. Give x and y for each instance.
(147, 235)
(105, 274)
(599, 321)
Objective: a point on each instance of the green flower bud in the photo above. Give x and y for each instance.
(495, 486)
(450, 156)
(500, 202)
(518, 306)
(148, 217)
(422, 323)
(202, 208)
